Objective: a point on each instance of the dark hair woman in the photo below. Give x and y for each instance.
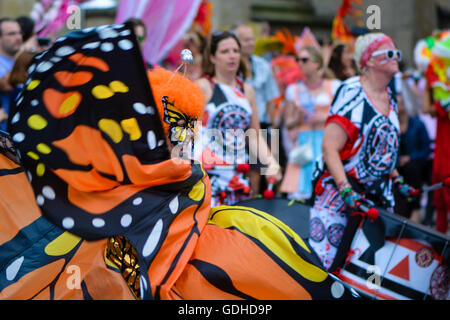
(342, 63)
(230, 119)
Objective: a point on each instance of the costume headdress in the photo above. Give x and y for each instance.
(366, 45)
(438, 72)
(179, 101)
(341, 31)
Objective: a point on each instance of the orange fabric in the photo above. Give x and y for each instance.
(93, 149)
(239, 257)
(193, 286)
(101, 202)
(82, 60)
(178, 233)
(18, 207)
(169, 171)
(61, 104)
(101, 283)
(72, 79)
(86, 180)
(158, 275)
(43, 295)
(31, 283)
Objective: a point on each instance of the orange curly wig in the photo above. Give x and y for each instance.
(182, 92)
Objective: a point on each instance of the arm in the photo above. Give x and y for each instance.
(3, 115)
(262, 151)
(250, 95)
(205, 86)
(4, 84)
(293, 115)
(334, 140)
(427, 103)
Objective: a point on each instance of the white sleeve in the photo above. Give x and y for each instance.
(290, 93)
(335, 85)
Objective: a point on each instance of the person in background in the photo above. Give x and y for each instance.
(18, 77)
(415, 148)
(286, 72)
(341, 62)
(360, 151)
(10, 44)
(436, 102)
(230, 109)
(140, 30)
(194, 42)
(307, 104)
(29, 37)
(261, 78)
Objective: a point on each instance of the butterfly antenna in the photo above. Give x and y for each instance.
(186, 59)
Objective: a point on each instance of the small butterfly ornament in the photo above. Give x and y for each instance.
(181, 126)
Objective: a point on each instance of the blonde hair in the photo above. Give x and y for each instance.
(315, 55)
(362, 43)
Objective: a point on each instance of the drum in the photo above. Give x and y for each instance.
(293, 213)
(392, 258)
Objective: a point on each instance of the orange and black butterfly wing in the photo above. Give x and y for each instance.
(94, 149)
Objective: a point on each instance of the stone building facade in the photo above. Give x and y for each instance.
(406, 21)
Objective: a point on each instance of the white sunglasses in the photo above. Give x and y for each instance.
(390, 54)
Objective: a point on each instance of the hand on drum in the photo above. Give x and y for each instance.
(405, 189)
(356, 203)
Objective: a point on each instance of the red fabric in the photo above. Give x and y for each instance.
(372, 48)
(441, 163)
(352, 133)
(441, 169)
(442, 219)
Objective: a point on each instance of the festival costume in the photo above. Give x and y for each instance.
(297, 180)
(99, 209)
(369, 156)
(225, 122)
(438, 80)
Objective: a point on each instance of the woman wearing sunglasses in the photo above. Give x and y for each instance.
(230, 134)
(360, 150)
(307, 105)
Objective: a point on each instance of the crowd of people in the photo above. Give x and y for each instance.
(351, 127)
(302, 107)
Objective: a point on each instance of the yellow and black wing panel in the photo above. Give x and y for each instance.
(245, 253)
